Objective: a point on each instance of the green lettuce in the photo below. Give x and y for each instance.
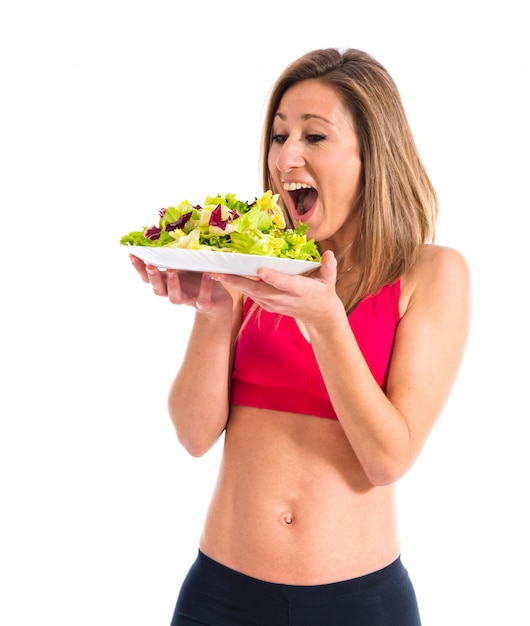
(226, 224)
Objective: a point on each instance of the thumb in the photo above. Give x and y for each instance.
(328, 269)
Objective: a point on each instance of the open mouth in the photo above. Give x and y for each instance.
(302, 196)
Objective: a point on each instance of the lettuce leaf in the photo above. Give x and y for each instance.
(224, 223)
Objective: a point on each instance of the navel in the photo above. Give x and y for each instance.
(286, 518)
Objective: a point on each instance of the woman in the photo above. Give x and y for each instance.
(325, 386)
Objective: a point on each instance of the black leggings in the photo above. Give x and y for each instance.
(215, 595)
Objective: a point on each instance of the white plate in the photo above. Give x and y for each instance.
(218, 262)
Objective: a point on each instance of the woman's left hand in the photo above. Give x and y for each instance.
(307, 298)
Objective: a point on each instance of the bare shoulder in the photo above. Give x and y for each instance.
(440, 277)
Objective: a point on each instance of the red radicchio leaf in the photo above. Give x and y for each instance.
(153, 233)
(216, 218)
(162, 212)
(182, 220)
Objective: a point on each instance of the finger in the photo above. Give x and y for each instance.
(327, 273)
(204, 298)
(139, 266)
(174, 290)
(157, 280)
(240, 283)
(281, 282)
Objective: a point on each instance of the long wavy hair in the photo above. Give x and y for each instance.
(398, 203)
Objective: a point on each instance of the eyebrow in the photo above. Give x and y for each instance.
(305, 117)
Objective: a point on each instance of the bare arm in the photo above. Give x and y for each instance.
(386, 431)
(199, 411)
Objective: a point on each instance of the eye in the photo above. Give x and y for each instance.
(315, 138)
(277, 138)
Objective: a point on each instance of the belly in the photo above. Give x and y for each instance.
(293, 505)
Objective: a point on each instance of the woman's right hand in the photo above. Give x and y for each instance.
(182, 287)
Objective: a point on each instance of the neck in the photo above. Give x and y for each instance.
(346, 260)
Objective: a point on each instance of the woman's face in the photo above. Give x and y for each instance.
(315, 161)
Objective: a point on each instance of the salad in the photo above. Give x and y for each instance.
(226, 224)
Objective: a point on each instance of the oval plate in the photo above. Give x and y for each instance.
(217, 261)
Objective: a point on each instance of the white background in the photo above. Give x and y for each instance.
(111, 110)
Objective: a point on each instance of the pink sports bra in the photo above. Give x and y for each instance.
(275, 367)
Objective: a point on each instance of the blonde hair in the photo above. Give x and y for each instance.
(398, 206)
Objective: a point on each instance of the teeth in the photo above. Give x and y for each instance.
(295, 186)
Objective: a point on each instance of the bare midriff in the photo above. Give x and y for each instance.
(292, 504)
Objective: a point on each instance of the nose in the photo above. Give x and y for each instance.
(290, 156)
